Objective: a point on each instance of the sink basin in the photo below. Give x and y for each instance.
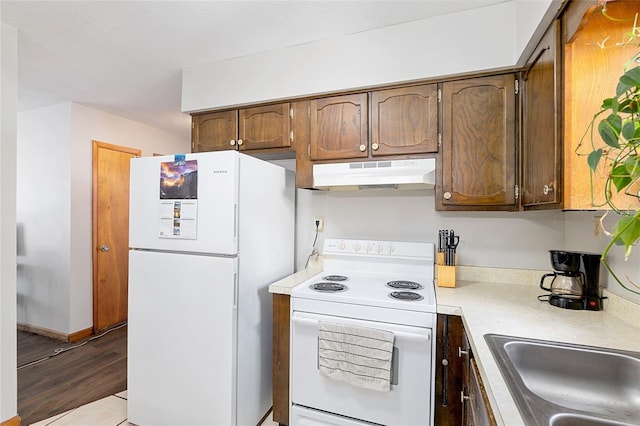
(562, 384)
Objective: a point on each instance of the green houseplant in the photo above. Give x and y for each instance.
(618, 125)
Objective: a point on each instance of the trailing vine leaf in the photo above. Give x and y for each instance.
(627, 232)
(609, 130)
(594, 158)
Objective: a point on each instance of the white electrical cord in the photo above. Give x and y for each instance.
(314, 251)
(58, 351)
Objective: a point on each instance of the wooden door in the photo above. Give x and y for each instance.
(339, 127)
(478, 144)
(404, 120)
(110, 233)
(542, 125)
(265, 127)
(214, 131)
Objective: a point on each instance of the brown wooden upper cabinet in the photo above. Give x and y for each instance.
(478, 144)
(594, 61)
(260, 127)
(541, 185)
(402, 121)
(214, 131)
(339, 127)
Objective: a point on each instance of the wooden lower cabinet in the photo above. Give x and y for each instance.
(281, 330)
(460, 397)
(449, 370)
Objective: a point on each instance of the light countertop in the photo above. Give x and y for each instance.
(504, 301)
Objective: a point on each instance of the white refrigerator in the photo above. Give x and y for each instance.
(208, 232)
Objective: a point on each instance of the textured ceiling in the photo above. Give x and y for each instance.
(126, 57)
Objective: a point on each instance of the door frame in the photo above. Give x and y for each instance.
(97, 145)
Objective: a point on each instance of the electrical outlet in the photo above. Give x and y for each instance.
(318, 223)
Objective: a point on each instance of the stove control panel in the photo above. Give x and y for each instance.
(371, 248)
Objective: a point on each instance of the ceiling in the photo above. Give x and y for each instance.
(126, 57)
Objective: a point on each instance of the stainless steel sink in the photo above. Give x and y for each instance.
(561, 384)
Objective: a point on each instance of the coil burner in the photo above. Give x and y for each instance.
(409, 296)
(328, 287)
(335, 278)
(405, 285)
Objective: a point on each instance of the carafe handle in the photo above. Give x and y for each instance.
(542, 280)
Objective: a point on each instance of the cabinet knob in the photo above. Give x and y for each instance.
(375, 146)
(461, 352)
(363, 148)
(232, 142)
(447, 195)
(547, 189)
(240, 142)
(463, 397)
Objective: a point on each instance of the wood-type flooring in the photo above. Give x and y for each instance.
(72, 378)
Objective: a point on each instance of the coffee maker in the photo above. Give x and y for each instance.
(574, 282)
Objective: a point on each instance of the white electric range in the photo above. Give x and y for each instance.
(382, 285)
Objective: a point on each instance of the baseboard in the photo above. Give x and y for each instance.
(81, 334)
(14, 421)
(73, 337)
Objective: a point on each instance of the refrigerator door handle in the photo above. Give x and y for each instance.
(235, 290)
(235, 221)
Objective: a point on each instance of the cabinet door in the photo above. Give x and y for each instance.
(404, 120)
(265, 127)
(214, 131)
(541, 124)
(339, 127)
(478, 144)
(449, 370)
(280, 379)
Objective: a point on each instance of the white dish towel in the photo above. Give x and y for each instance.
(356, 355)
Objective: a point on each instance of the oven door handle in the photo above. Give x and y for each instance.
(409, 336)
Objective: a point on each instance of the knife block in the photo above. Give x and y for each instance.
(445, 274)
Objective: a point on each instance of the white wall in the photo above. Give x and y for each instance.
(498, 239)
(478, 40)
(54, 206)
(8, 105)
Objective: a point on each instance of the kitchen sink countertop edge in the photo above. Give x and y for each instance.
(514, 310)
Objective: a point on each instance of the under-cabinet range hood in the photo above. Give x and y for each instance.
(396, 174)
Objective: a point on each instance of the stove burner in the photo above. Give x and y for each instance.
(335, 278)
(328, 287)
(405, 285)
(405, 295)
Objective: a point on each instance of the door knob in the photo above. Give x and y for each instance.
(104, 248)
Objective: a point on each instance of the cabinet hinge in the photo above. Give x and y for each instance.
(290, 112)
(309, 111)
(517, 86)
(439, 140)
(439, 95)
(309, 150)
(291, 136)
(193, 146)
(517, 192)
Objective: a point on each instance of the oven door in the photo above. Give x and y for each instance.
(408, 402)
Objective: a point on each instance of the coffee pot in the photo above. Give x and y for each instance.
(574, 281)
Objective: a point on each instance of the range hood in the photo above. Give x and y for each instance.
(396, 174)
